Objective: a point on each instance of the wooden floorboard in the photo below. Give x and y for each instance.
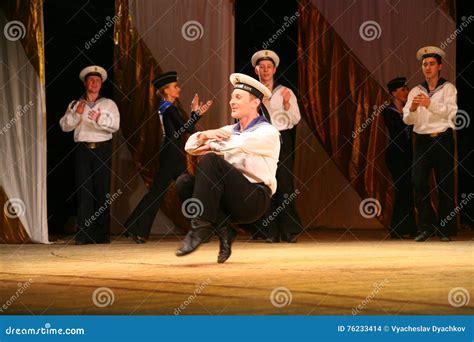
(325, 273)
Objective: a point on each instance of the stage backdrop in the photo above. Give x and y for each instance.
(195, 38)
(348, 51)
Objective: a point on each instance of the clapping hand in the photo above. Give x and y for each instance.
(94, 115)
(199, 106)
(420, 100)
(80, 107)
(286, 95)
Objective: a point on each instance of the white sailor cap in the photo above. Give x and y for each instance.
(265, 55)
(251, 85)
(93, 70)
(429, 51)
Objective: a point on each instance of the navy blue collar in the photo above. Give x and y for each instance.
(164, 105)
(393, 107)
(275, 85)
(425, 85)
(84, 97)
(91, 104)
(252, 125)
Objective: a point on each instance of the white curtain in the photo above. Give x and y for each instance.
(22, 137)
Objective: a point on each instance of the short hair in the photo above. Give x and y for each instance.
(253, 97)
(161, 91)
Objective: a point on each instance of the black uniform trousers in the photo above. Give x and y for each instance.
(399, 163)
(172, 164)
(222, 193)
(93, 174)
(287, 223)
(435, 153)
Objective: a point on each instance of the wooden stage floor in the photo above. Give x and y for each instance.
(325, 273)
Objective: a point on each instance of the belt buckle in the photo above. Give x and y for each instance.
(434, 135)
(92, 145)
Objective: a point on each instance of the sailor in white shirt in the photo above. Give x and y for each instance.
(431, 109)
(93, 119)
(285, 115)
(235, 177)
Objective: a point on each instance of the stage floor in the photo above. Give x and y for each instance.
(325, 273)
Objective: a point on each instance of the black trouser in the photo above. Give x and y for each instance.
(287, 222)
(223, 193)
(434, 153)
(399, 162)
(93, 171)
(141, 219)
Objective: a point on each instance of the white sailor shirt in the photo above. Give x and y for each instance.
(254, 152)
(281, 118)
(440, 114)
(87, 130)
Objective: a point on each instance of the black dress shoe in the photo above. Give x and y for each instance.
(80, 242)
(258, 235)
(226, 238)
(103, 240)
(293, 238)
(135, 237)
(422, 237)
(200, 231)
(445, 238)
(273, 239)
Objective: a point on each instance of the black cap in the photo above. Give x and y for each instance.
(164, 79)
(250, 89)
(396, 83)
(251, 85)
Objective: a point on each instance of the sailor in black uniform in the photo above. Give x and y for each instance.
(172, 162)
(399, 158)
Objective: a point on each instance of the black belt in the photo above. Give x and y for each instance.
(94, 145)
